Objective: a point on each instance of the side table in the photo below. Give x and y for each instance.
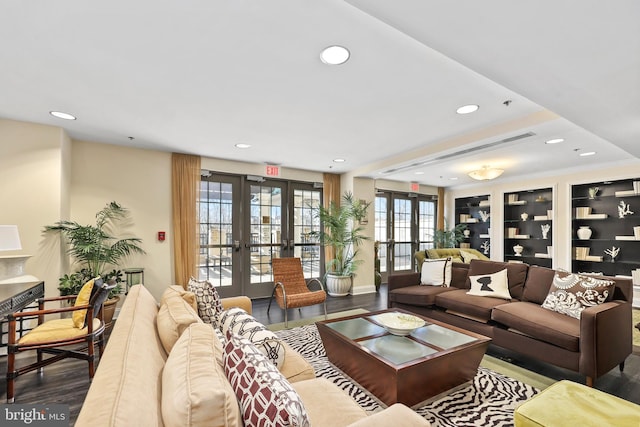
(14, 297)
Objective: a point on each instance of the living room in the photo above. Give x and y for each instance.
(60, 170)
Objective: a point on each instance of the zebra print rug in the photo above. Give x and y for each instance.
(488, 401)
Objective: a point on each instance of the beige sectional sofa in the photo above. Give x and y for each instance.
(132, 387)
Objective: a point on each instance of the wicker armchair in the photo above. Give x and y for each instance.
(50, 335)
(291, 289)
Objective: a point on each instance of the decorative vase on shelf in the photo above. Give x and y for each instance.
(466, 233)
(584, 232)
(524, 216)
(517, 249)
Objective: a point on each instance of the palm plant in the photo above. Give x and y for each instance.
(93, 246)
(341, 232)
(449, 238)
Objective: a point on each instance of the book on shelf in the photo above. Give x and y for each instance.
(522, 236)
(625, 193)
(596, 216)
(581, 253)
(540, 218)
(517, 203)
(511, 232)
(471, 220)
(596, 258)
(484, 236)
(465, 245)
(626, 238)
(484, 203)
(541, 255)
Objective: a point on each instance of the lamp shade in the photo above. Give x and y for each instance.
(486, 173)
(9, 238)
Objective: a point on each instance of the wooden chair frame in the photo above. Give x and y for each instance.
(52, 347)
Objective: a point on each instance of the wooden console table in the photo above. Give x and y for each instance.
(14, 297)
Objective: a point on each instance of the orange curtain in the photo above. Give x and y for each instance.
(185, 184)
(330, 193)
(440, 210)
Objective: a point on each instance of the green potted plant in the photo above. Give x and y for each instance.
(342, 231)
(449, 238)
(95, 249)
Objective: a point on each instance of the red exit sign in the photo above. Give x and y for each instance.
(273, 170)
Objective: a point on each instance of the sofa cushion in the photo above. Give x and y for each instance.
(83, 297)
(490, 285)
(417, 294)
(188, 296)
(208, 301)
(195, 389)
(436, 272)
(539, 323)
(475, 307)
(265, 396)
(538, 282)
(571, 293)
(241, 323)
(467, 256)
(335, 408)
(516, 273)
(174, 316)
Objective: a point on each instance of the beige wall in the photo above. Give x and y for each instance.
(139, 180)
(34, 192)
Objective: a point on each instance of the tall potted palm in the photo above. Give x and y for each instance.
(96, 250)
(342, 231)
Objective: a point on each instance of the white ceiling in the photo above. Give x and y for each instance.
(200, 76)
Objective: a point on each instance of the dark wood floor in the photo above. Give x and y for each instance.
(67, 382)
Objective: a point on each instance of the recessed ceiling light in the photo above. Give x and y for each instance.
(555, 141)
(338, 160)
(61, 115)
(240, 145)
(335, 55)
(587, 153)
(419, 173)
(466, 109)
(453, 178)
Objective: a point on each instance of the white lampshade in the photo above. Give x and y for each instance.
(9, 238)
(486, 173)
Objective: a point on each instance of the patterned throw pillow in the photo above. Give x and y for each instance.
(494, 285)
(208, 299)
(436, 272)
(265, 396)
(241, 323)
(571, 293)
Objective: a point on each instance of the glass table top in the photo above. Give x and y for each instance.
(422, 342)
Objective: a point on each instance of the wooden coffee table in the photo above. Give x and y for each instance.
(407, 369)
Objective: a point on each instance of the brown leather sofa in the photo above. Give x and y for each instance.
(591, 345)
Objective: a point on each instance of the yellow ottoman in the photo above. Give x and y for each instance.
(566, 403)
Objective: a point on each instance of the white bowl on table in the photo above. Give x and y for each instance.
(401, 324)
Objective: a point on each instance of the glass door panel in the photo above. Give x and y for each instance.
(402, 228)
(305, 242)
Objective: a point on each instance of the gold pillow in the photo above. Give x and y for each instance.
(83, 298)
(175, 315)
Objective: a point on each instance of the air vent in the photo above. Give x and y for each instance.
(467, 151)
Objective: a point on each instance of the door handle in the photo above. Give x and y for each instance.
(236, 245)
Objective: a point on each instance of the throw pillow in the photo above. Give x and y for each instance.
(468, 256)
(83, 298)
(241, 323)
(208, 300)
(195, 389)
(436, 272)
(493, 285)
(266, 397)
(571, 293)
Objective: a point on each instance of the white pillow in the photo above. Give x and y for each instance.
(436, 272)
(493, 285)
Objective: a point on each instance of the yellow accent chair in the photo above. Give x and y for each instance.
(76, 335)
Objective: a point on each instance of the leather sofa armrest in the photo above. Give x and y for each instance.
(241, 301)
(402, 280)
(605, 337)
(397, 415)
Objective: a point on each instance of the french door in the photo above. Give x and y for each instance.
(403, 224)
(248, 224)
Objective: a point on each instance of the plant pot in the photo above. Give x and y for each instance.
(109, 309)
(338, 286)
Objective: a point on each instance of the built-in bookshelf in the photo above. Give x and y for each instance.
(475, 213)
(528, 227)
(606, 228)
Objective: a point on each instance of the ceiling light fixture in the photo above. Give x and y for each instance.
(338, 160)
(335, 55)
(555, 141)
(587, 153)
(486, 173)
(61, 115)
(466, 109)
(240, 145)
